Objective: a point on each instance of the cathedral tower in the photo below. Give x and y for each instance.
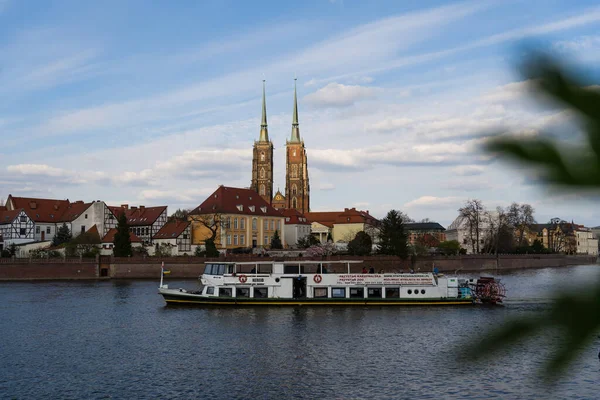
(262, 159)
(297, 189)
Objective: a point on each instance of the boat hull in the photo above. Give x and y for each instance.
(182, 298)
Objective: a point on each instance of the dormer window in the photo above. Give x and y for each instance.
(287, 219)
(240, 207)
(263, 209)
(252, 208)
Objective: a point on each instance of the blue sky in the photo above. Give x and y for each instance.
(159, 103)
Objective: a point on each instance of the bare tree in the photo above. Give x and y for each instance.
(520, 216)
(473, 212)
(499, 237)
(213, 222)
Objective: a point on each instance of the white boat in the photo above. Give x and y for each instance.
(310, 283)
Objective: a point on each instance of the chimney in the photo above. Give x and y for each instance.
(133, 208)
(125, 206)
(367, 212)
(142, 208)
(345, 210)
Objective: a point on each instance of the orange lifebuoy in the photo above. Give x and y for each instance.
(318, 278)
(243, 278)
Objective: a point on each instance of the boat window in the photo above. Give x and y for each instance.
(422, 291)
(221, 269)
(409, 291)
(210, 290)
(357, 293)
(208, 269)
(338, 292)
(225, 292)
(374, 293)
(230, 269)
(320, 293)
(260, 292)
(392, 293)
(242, 292)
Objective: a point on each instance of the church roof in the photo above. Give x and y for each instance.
(230, 200)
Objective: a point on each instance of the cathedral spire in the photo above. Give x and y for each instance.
(295, 128)
(264, 133)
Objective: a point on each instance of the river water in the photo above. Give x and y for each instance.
(117, 339)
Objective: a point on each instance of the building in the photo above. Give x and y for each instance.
(80, 217)
(262, 159)
(238, 217)
(296, 226)
(429, 234)
(343, 225)
(460, 231)
(297, 187)
(144, 222)
(16, 227)
(108, 241)
(176, 234)
(587, 242)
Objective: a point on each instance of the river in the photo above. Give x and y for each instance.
(117, 339)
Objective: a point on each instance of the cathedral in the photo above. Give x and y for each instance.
(297, 189)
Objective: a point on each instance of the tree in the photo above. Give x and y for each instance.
(276, 241)
(211, 248)
(179, 215)
(63, 235)
(499, 235)
(307, 241)
(361, 245)
(392, 238)
(163, 250)
(449, 247)
(428, 240)
(213, 223)
(472, 212)
(520, 216)
(199, 252)
(329, 237)
(122, 241)
(575, 317)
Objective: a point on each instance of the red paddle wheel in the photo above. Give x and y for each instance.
(489, 290)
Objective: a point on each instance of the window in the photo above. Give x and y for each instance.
(185, 236)
(357, 293)
(262, 190)
(338, 292)
(320, 293)
(37, 229)
(392, 293)
(263, 209)
(82, 229)
(266, 224)
(85, 216)
(409, 291)
(272, 224)
(23, 218)
(242, 240)
(252, 208)
(294, 152)
(374, 293)
(47, 229)
(294, 170)
(240, 207)
(147, 230)
(262, 173)
(225, 292)
(235, 223)
(266, 242)
(242, 292)
(243, 223)
(260, 292)
(422, 291)
(235, 239)
(228, 222)
(210, 290)
(294, 203)
(23, 232)
(228, 239)
(294, 190)
(262, 156)
(279, 226)
(254, 224)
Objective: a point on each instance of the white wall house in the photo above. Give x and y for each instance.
(80, 217)
(459, 230)
(295, 227)
(177, 235)
(587, 243)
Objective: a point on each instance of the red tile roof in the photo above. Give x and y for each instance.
(110, 236)
(7, 217)
(294, 217)
(74, 210)
(93, 231)
(39, 210)
(348, 216)
(225, 200)
(138, 216)
(172, 230)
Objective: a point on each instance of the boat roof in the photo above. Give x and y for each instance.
(299, 262)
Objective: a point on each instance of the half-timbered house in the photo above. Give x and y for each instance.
(144, 222)
(16, 227)
(178, 235)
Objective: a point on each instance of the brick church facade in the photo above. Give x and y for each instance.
(297, 187)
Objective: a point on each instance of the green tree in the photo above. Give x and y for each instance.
(329, 237)
(567, 165)
(276, 241)
(179, 215)
(63, 235)
(361, 245)
(392, 238)
(211, 248)
(122, 244)
(308, 241)
(449, 247)
(199, 252)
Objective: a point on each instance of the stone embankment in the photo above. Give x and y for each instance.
(192, 267)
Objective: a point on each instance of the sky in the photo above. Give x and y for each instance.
(158, 103)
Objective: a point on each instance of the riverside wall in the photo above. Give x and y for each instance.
(192, 267)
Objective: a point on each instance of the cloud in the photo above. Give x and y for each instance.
(338, 95)
(468, 185)
(468, 170)
(392, 124)
(142, 178)
(433, 202)
(206, 163)
(48, 173)
(189, 197)
(326, 186)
